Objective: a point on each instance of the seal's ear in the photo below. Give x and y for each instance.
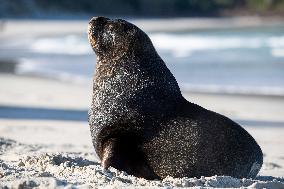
(125, 155)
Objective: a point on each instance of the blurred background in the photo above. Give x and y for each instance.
(211, 46)
(227, 55)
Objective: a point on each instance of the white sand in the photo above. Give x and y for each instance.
(58, 154)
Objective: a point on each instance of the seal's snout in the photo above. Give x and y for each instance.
(95, 26)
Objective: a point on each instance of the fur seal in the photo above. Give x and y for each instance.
(140, 123)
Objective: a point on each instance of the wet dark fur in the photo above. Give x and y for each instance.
(140, 122)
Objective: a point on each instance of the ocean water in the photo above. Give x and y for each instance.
(247, 60)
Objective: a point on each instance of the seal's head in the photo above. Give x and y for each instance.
(115, 38)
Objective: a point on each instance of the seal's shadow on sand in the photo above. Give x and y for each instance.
(19, 112)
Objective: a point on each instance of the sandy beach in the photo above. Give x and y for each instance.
(49, 151)
(45, 140)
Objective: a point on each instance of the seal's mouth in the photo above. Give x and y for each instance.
(95, 26)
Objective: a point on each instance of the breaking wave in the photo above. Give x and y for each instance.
(185, 45)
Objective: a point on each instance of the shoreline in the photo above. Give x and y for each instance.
(9, 67)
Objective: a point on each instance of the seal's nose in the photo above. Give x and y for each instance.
(100, 20)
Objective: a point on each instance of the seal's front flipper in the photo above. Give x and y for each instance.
(109, 152)
(124, 154)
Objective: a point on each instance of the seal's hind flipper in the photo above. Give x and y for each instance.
(125, 155)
